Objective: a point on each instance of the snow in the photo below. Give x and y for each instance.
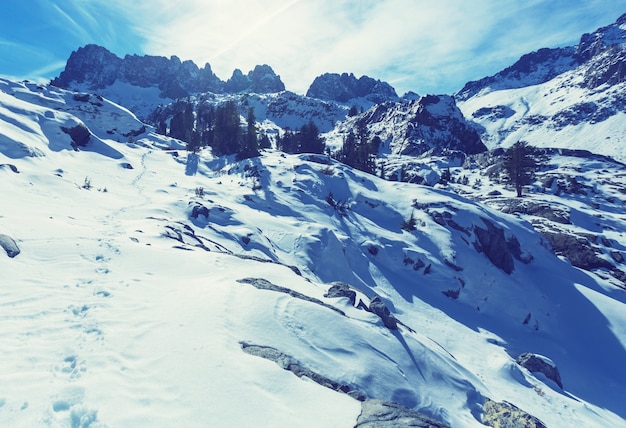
(109, 322)
(535, 108)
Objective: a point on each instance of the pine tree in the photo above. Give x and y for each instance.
(264, 142)
(310, 140)
(227, 130)
(520, 164)
(250, 146)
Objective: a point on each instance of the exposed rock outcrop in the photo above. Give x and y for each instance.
(374, 413)
(498, 249)
(539, 364)
(506, 415)
(96, 68)
(198, 210)
(261, 80)
(531, 69)
(263, 284)
(578, 250)
(289, 363)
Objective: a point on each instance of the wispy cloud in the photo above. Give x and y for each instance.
(419, 45)
(77, 29)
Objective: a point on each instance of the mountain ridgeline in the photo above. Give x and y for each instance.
(583, 84)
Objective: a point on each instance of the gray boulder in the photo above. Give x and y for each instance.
(506, 415)
(538, 364)
(341, 289)
(9, 245)
(387, 414)
(378, 307)
(79, 134)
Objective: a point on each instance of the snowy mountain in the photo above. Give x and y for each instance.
(430, 123)
(569, 97)
(148, 286)
(141, 83)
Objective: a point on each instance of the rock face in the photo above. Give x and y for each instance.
(600, 52)
(506, 415)
(9, 245)
(96, 68)
(261, 80)
(578, 250)
(386, 414)
(263, 284)
(538, 364)
(345, 87)
(413, 128)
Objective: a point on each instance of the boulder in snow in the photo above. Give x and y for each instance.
(79, 134)
(506, 415)
(535, 363)
(9, 245)
(378, 307)
(341, 289)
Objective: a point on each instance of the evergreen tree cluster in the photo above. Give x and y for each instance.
(306, 140)
(217, 127)
(358, 150)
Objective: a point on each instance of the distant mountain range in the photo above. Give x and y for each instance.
(570, 97)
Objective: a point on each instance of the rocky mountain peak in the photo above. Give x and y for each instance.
(611, 36)
(432, 122)
(91, 63)
(602, 53)
(94, 67)
(345, 87)
(261, 80)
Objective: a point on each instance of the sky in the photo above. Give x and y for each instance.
(415, 45)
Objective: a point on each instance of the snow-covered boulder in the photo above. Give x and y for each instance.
(378, 307)
(535, 363)
(341, 289)
(9, 245)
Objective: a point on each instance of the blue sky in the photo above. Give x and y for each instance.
(418, 45)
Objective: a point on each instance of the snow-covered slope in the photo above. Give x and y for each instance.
(570, 97)
(144, 271)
